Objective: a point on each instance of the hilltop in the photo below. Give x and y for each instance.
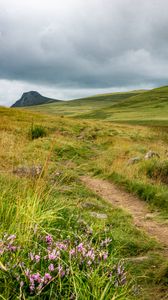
(32, 98)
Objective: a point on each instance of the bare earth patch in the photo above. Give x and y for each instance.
(137, 208)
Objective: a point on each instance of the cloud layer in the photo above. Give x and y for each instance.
(72, 47)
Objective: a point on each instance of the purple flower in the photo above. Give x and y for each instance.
(90, 254)
(51, 267)
(47, 278)
(12, 248)
(61, 246)
(61, 272)
(35, 277)
(11, 237)
(49, 239)
(53, 255)
(81, 248)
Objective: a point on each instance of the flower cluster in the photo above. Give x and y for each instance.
(52, 260)
(7, 244)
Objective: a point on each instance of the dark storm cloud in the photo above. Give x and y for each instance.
(84, 43)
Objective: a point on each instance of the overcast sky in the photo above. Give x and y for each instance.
(72, 48)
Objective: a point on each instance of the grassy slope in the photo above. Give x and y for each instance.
(84, 105)
(139, 107)
(59, 201)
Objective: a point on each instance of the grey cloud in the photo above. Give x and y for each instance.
(84, 44)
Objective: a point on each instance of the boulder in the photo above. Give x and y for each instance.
(151, 154)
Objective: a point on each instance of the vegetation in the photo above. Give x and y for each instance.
(137, 107)
(58, 239)
(37, 131)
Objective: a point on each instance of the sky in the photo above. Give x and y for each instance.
(68, 49)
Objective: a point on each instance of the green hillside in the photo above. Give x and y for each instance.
(136, 107)
(150, 107)
(85, 105)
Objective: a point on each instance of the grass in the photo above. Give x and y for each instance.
(56, 204)
(137, 107)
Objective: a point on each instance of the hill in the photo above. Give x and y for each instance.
(32, 98)
(82, 106)
(57, 230)
(144, 107)
(149, 108)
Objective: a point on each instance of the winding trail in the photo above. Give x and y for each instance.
(136, 207)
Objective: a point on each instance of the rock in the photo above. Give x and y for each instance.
(134, 160)
(98, 215)
(151, 154)
(92, 205)
(24, 171)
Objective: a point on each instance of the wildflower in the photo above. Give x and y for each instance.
(61, 272)
(49, 239)
(53, 255)
(106, 242)
(105, 255)
(81, 248)
(47, 278)
(12, 248)
(27, 272)
(11, 237)
(21, 284)
(89, 262)
(90, 254)
(35, 277)
(61, 246)
(37, 258)
(31, 256)
(72, 252)
(32, 287)
(51, 267)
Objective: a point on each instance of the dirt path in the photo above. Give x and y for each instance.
(137, 208)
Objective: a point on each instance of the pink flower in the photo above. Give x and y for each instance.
(72, 252)
(61, 246)
(51, 267)
(49, 239)
(105, 255)
(81, 248)
(37, 258)
(53, 255)
(61, 272)
(90, 254)
(47, 277)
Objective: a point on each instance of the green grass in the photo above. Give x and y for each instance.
(136, 107)
(57, 203)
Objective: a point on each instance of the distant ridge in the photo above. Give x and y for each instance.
(32, 98)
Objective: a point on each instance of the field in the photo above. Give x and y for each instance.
(59, 238)
(137, 107)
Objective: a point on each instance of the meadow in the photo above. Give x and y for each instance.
(59, 239)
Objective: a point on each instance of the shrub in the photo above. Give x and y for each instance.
(37, 131)
(158, 171)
